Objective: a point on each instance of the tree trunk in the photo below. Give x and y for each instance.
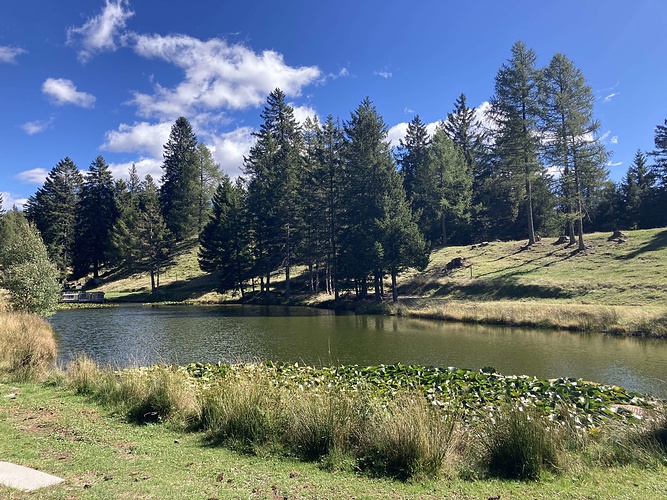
(443, 229)
(529, 212)
(378, 295)
(394, 289)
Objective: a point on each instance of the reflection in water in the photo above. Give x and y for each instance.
(137, 335)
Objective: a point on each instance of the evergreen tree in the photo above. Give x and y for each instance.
(273, 169)
(25, 269)
(514, 111)
(571, 139)
(224, 242)
(402, 243)
(413, 154)
(53, 208)
(369, 167)
(637, 191)
(209, 176)
(153, 238)
(97, 214)
(659, 170)
(179, 193)
(465, 131)
(444, 194)
(332, 177)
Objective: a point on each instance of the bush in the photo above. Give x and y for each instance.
(27, 346)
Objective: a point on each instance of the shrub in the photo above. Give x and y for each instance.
(27, 346)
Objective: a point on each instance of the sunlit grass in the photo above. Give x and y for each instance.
(27, 346)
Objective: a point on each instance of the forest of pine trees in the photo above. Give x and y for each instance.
(337, 200)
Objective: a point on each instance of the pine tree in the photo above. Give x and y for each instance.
(659, 170)
(209, 176)
(514, 112)
(180, 181)
(412, 154)
(571, 141)
(224, 242)
(153, 238)
(53, 208)
(97, 214)
(465, 131)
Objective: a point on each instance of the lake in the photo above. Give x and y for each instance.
(141, 335)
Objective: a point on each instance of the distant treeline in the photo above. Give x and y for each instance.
(336, 198)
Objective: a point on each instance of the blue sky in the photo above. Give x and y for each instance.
(81, 78)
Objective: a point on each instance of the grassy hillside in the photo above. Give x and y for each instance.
(627, 271)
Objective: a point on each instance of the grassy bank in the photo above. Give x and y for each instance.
(615, 286)
(282, 430)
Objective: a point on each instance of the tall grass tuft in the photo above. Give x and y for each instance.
(408, 439)
(320, 425)
(242, 414)
(27, 346)
(83, 375)
(519, 445)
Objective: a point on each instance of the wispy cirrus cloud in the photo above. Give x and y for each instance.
(37, 126)
(9, 54)
(614, 140)
(62, 91)
(102, 32)
(384, 73)
(33, 176)
(609, 97)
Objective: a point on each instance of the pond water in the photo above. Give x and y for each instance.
(141, 335)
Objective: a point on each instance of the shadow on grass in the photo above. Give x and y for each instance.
(496, 289)
(658, 241)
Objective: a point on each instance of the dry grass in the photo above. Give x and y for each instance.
(27, 346)
(619, 320)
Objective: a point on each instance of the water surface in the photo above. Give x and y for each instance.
(131, 335)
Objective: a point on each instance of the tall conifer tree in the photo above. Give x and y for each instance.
(180, 181)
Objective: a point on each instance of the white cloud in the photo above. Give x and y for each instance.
(142, 137)
(228, 149)
(408, 111)
(145, 166)
(617, 164)
(609, 97)
(9, 54)
(36, 126)
(303, 112)
(614, 140)
(33, 176)
(100, 33)
(63, 91)
(384, 74)
(217, 76)
(10, 200)
(396, 133)
(605, 135)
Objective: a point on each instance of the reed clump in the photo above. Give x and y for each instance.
(27, 346)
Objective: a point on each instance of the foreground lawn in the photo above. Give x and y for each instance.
(101, 455)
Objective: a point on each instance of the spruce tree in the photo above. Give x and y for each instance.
(180, 181)
(209, 176)
(369, 167)
(412, 154)
(53, 208)
(224, 242)
(272, 169)
(97, 214)
(637, 191)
